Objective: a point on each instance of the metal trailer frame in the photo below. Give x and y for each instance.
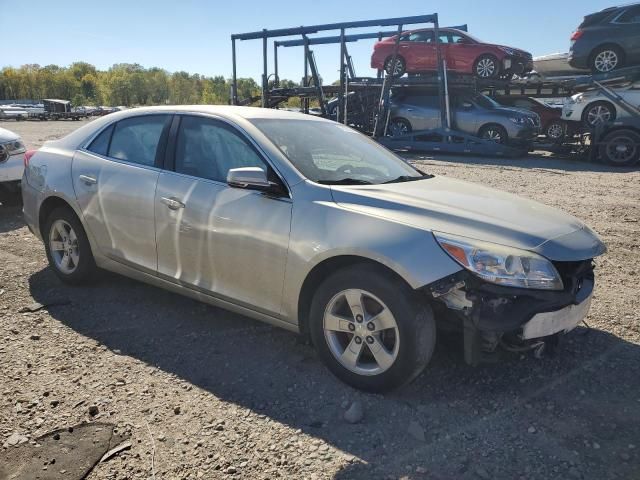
(442, 139)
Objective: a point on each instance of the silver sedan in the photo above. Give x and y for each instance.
(307, 224)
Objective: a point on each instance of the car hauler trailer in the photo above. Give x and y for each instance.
(369, 95)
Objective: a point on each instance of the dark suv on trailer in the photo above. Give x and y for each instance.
(607, 40)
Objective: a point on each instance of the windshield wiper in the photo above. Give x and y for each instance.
(408, 178)
(345, 181)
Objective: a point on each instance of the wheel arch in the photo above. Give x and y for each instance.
(616, 45)
(323, 270)
(52, 202)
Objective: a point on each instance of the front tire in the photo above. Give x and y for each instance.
(370, 330)
(621, 148)
(598, 113)
(67, 247)
(494, 133)
(486, 67)
(556, 131)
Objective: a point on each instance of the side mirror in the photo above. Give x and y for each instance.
(253, 178)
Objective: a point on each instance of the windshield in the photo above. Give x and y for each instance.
(330, 153)
(486, 102)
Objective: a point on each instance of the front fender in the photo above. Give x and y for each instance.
(324, 230)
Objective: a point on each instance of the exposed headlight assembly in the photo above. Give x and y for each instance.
(14, 147)
(518, 120)
(500, 264)
(507, 50)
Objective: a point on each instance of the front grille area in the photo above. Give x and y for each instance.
(573, 273)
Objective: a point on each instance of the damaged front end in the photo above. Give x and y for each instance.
(516, 318)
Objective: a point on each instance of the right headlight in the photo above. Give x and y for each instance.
(14, 147)
(500, 264)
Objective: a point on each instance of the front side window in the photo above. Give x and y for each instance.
(136, 139)
(207, 148)
(330, 153)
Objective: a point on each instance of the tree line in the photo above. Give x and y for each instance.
(123, 84)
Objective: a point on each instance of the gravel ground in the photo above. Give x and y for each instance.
(205, 393)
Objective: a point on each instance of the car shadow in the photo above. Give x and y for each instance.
(11, 217)
(535, 160)
(440, 426)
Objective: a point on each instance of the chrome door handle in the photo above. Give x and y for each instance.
(409, 109)
(88, 180)
(172, 203)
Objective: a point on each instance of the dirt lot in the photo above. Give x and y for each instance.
(208, 394)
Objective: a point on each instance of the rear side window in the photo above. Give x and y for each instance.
(136, 139)
(100, 144)
(208, 149)
(631, 15)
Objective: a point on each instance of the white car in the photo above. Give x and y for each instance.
(592, 107)
(11, 160)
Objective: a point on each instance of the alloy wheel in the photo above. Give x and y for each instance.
(361, 332)
(493, 135)
(598, 114)
(397, 128)
(555, 131)
(397, 67)
(606, 61)
(63, 244)
(486, 68)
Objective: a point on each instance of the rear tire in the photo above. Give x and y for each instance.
(606, 59)
(67, 247)
(399, 126)
(400, 66)
(621, 148)
(371, 330)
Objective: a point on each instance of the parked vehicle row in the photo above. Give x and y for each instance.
(215, 202)
(12, 151)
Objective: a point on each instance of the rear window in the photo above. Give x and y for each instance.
(136, 139)
(100, 144)
(596, 18)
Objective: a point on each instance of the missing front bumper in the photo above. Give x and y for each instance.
(486, 312)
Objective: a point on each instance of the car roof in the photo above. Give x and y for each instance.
(431, 29)
(230, 111)
(235, 114)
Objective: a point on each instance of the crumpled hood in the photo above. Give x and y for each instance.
(466, 209)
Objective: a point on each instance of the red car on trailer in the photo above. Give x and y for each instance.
(462, 52)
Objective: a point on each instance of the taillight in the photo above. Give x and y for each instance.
(576, 35)
(27, 156)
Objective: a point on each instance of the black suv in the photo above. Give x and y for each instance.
(607, 40)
